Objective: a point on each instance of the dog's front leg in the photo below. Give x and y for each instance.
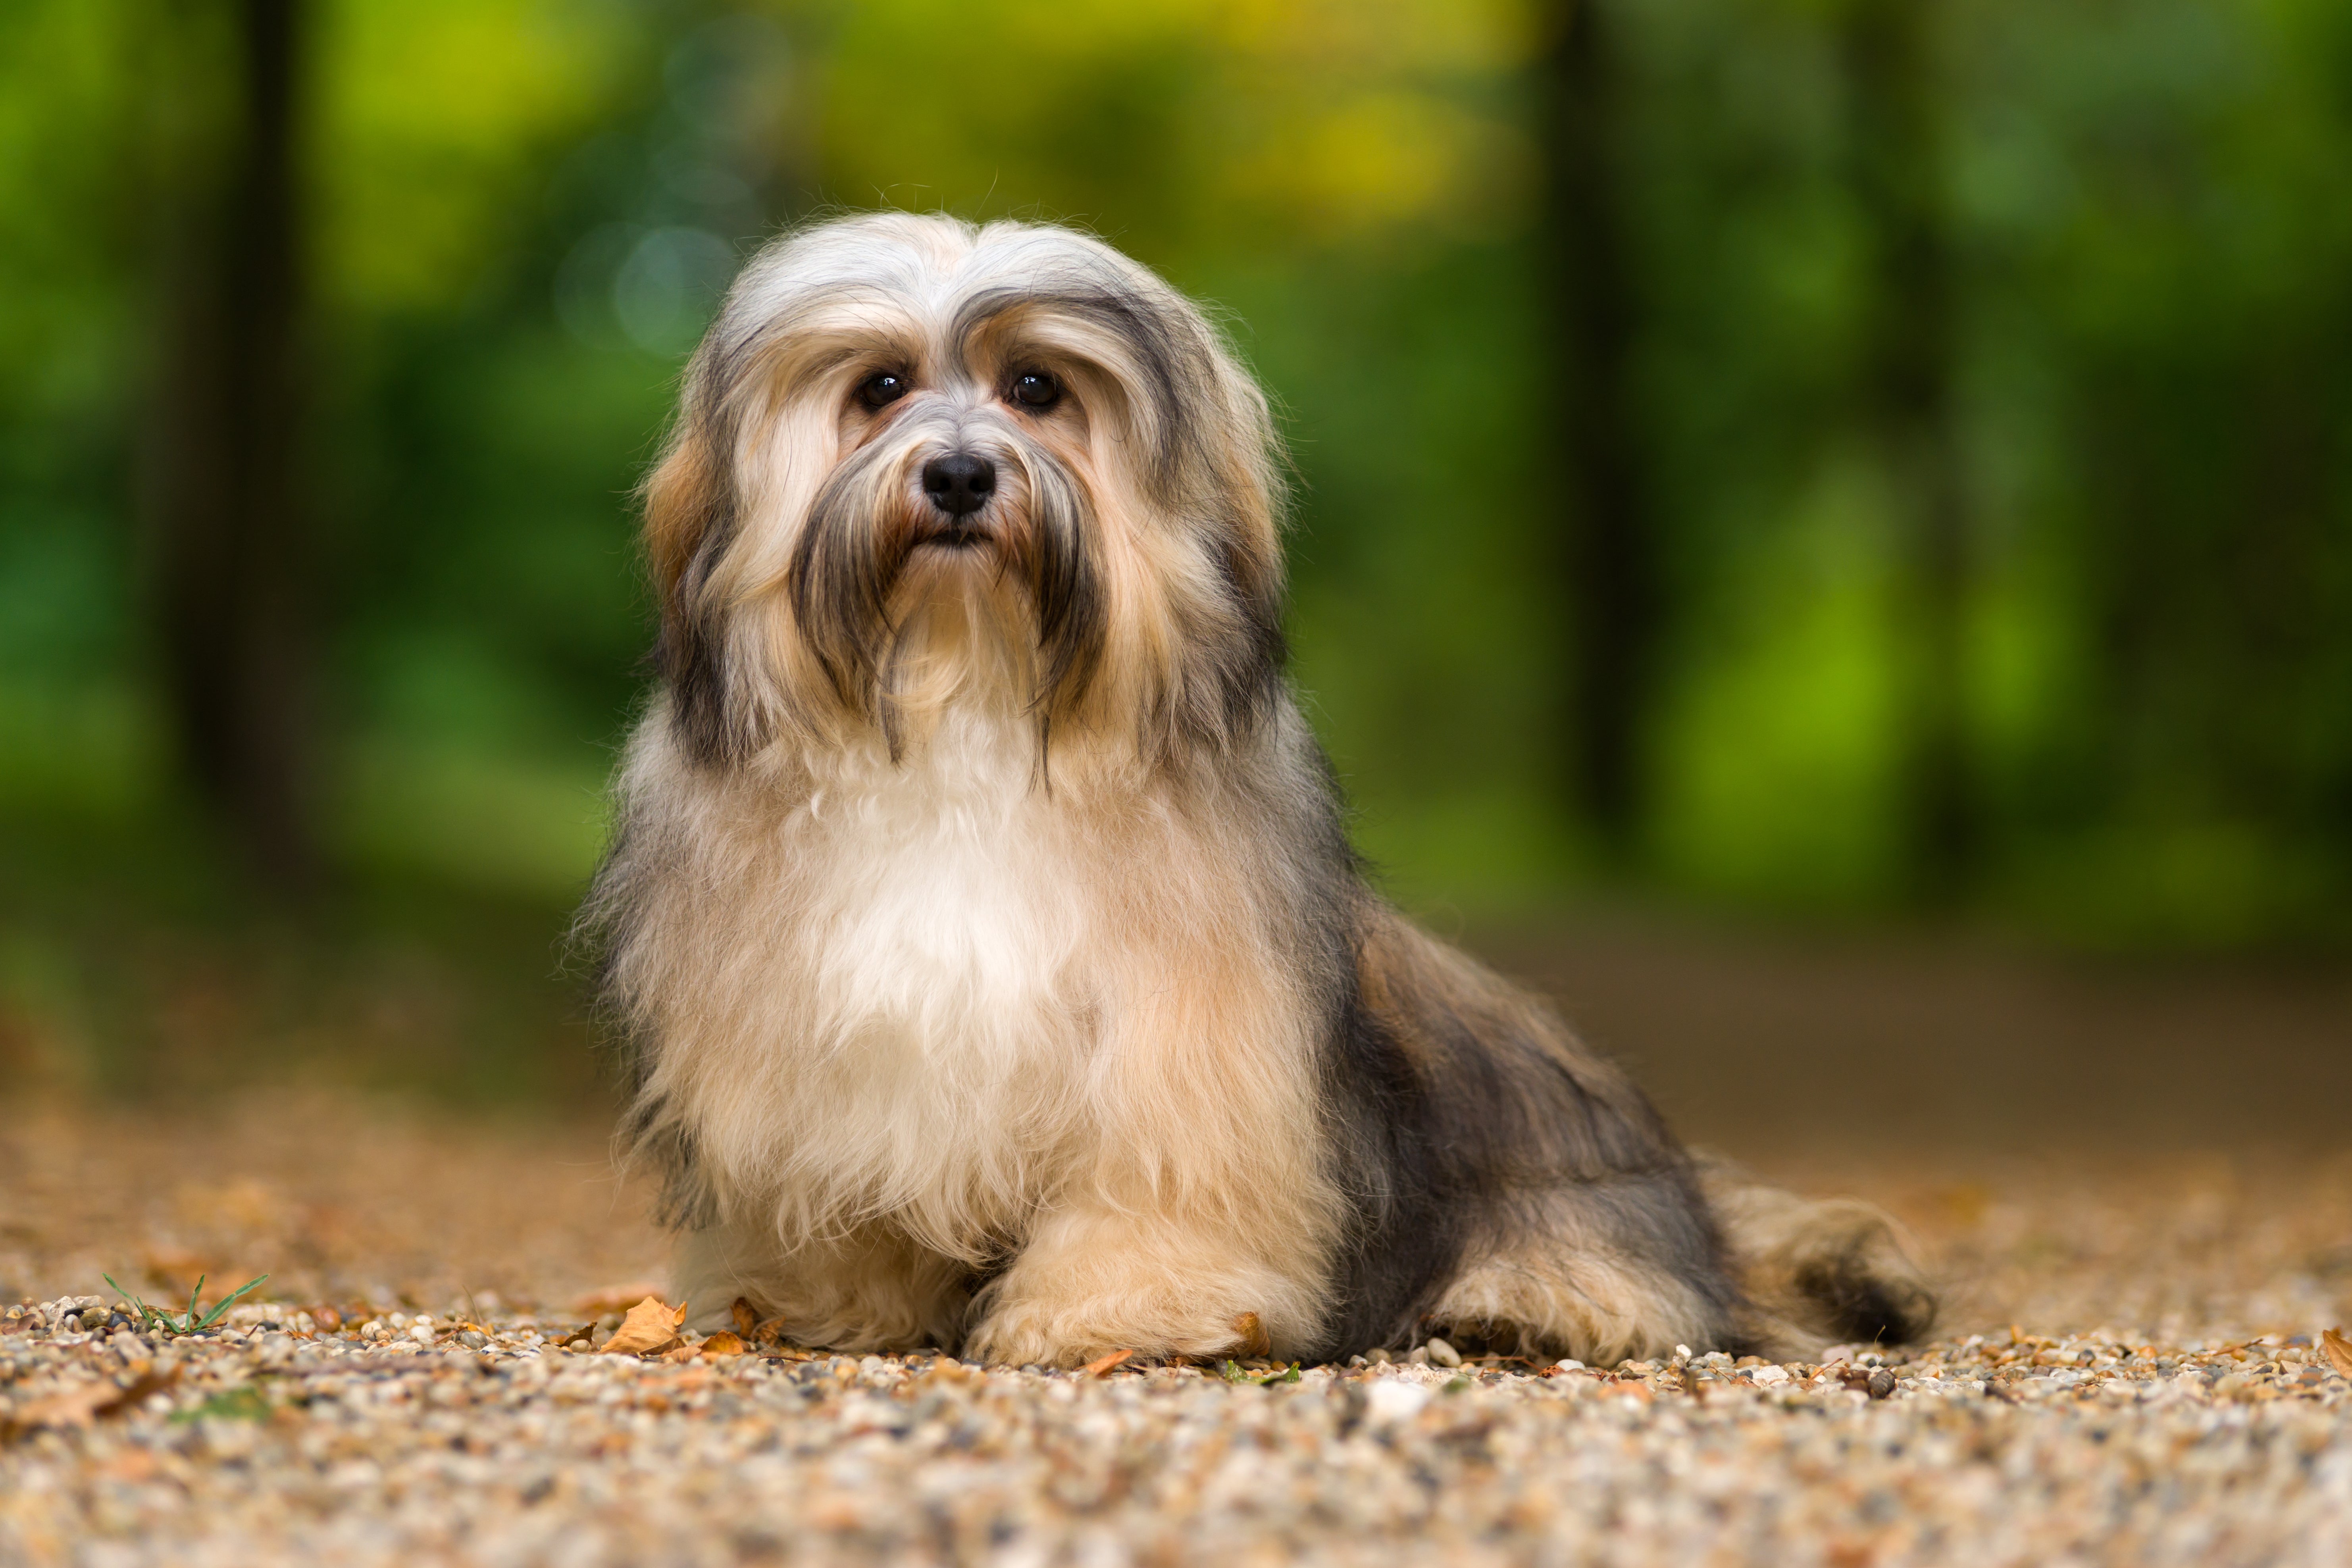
(1202, 1223)
(1095, 1279)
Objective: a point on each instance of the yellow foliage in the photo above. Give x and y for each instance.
(434, 118)
(1177, 124)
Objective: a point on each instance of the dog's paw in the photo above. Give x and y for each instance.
(1021, 1337)
(1037, 1333)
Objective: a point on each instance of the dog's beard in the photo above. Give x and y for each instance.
(905, 612)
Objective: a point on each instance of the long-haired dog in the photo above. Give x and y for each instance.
(995, 966)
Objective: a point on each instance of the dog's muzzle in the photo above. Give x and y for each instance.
(959, 485)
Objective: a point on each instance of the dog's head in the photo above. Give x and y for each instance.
(918, 462)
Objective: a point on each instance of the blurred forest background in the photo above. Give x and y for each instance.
(1840, 461)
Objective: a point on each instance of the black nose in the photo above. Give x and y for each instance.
(960, 484)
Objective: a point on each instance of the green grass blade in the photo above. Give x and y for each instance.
(138, 1307)
(227, 1302)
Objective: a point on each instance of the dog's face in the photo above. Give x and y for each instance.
(918, 462)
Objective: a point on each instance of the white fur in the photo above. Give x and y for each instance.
(980, 912)
(893, 957)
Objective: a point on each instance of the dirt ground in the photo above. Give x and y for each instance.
(2135, 1190)
(2100, 1391)
(341, 1200)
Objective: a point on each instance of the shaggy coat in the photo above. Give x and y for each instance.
(996, 970)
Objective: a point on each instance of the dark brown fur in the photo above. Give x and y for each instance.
(1447, 1154)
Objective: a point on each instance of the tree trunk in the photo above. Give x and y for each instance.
(1907, 381)
(233, 593)
(1595, 469)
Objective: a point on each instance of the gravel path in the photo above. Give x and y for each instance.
(399, 1391)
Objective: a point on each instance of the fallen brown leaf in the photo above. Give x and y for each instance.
(585, 1334)
(747, 1322)
(650, 1326)
(83, 1402)
(72, 1406)
(1252, 1337)
(2338, 1349)
(1103, 1366)
(723, 1343)
(615, 1298)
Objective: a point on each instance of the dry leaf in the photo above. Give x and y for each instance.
(1252, 1337)
(723, 1343)
(83, 1402)
(614, 1297)
(768, 1340)
(1102, 1366)
(2338, 1349)
(681, 1352)
(747, 1322)
(73, 1406)
(650, 1326)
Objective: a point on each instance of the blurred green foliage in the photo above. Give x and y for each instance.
(520, 211)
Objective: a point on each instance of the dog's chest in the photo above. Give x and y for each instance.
(942, 913)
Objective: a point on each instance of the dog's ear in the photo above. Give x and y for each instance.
(684, 499)
(689, 499)
(1249, 465)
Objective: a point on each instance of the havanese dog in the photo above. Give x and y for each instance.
(996, 971)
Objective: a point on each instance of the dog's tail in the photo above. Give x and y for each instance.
(1815, 1272)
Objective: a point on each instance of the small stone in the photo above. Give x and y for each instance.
(473, 1338)
(1882, 1383)
(1568, 1363)
(1443, 1353)
(1391, 1399)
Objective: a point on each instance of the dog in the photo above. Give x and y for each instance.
(994, 968)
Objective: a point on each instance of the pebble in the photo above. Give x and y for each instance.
(1391, 1400)
(280, 1447)
(2160, 1403)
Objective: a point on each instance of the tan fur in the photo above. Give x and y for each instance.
(1793, 1253)
(996, 968)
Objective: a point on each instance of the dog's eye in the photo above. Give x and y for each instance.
(878, 389)
(1035, 389)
